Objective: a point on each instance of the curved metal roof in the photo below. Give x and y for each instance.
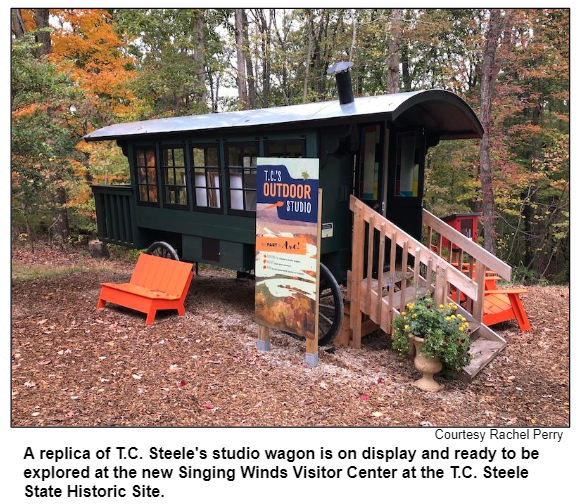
(437, 110)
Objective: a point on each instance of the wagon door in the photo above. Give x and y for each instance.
(405, 180)
(369, 163)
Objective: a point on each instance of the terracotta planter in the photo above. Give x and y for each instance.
(428, 367)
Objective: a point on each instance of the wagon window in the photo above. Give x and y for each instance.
(146, 175)
(206, 176)
(407, 166)
(285, 148)
(241, 165)
(174, 177)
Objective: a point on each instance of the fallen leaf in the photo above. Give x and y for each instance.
(208, 406)
(44, 362)
(137, 377)
(377, 414)
(29, 384)
(182, 383)
(364, 397)
(36, 413)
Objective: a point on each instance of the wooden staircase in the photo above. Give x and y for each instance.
(377, 293)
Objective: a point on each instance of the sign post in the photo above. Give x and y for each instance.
(287, 268)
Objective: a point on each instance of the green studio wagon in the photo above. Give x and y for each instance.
(193, 179)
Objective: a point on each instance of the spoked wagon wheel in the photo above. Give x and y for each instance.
(330, 307)
(162, 249)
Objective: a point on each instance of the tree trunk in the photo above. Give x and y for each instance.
(248, 57)
(241, 63)
(282, 42)
(489, 73)
(17, 23)
(28, 227)
(407, 83)
(393, 57)
(352, 50)
(199, 56)
(534, 244)
(60, 225)
(266, 40)
(308, 57)
(42, 36)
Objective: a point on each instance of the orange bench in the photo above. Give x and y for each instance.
(156, 284)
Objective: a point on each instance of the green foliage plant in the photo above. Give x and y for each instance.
(446, 333)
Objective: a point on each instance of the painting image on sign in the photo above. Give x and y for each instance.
(286, 244)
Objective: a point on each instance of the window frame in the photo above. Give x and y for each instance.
(164, 185)
(243, 143)
(204, 145)
(138, 184)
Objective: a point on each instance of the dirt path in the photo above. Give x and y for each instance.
(72, 365)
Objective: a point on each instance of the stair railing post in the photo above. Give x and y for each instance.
(356, 276)
(480, 281)
(404, 262)
(380, 271)
(370, 257)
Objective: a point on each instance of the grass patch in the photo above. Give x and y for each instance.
(27, 272)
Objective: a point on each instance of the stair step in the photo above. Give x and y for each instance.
(483, 351)
(388, 277)
(474, 329)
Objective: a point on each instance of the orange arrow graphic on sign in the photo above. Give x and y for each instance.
(279, 204)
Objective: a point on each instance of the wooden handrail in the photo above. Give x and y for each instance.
(416, 269)
(415, 247)
(467, 245)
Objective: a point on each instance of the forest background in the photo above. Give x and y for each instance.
(75, 70)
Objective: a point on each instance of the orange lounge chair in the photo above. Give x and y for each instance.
(156, 284)
(500, 305)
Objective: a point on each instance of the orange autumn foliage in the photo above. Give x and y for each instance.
(86, 46)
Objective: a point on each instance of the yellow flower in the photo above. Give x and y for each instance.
(414, 315)
(406, 327)
(462, 328)
(411, 306)
(403, 313)
(441, 306)
(453, 316)
(447, 318)
(454, 307)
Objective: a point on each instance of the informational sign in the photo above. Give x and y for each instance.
(287, 237)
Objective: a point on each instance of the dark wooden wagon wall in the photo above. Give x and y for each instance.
(209, 222)
(193, 179)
